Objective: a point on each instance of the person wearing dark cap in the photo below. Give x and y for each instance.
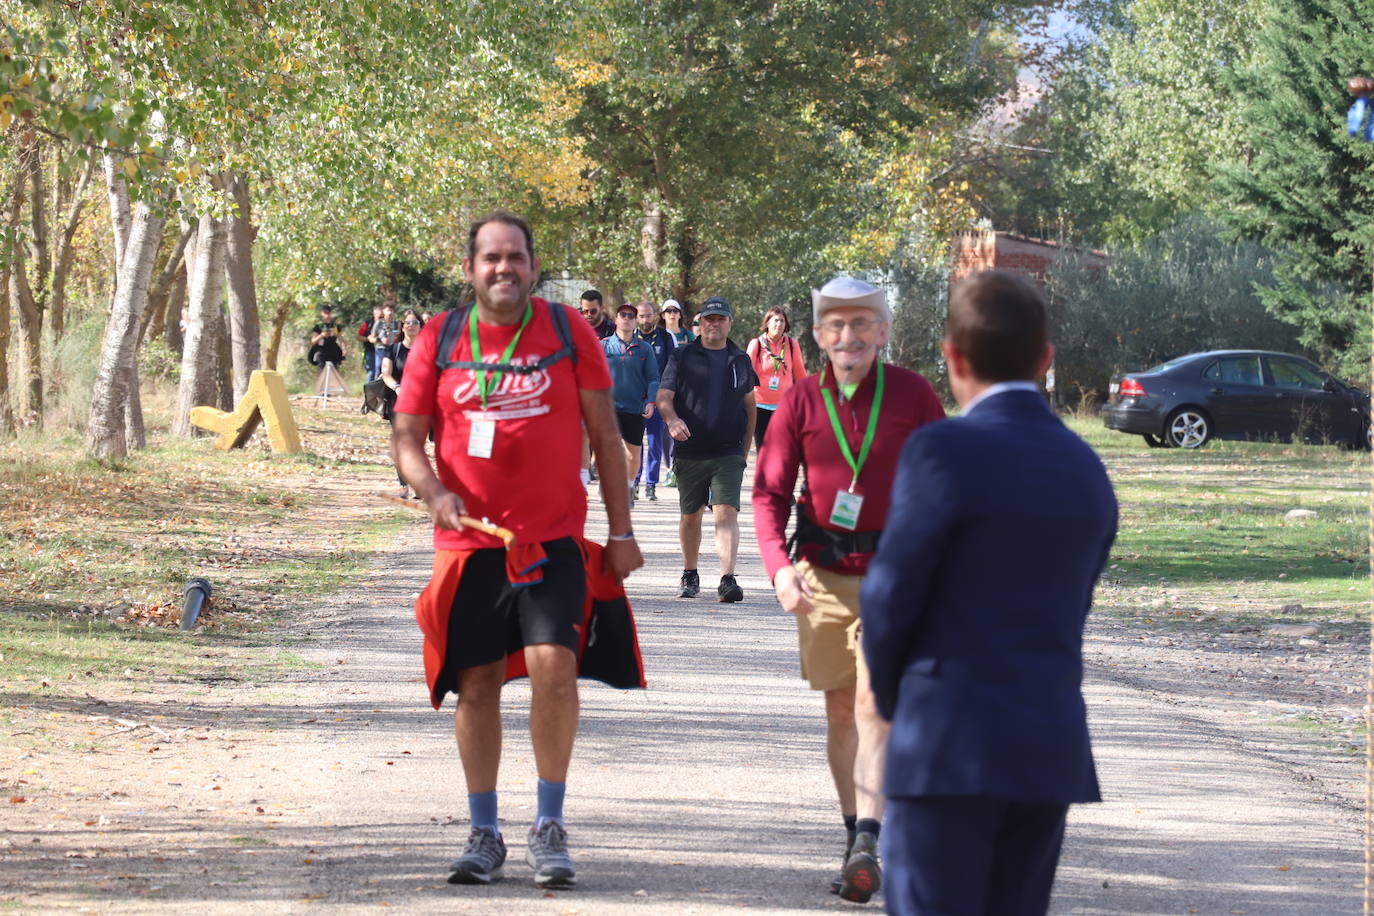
(706, 399)
(845, 426)
(973, 609)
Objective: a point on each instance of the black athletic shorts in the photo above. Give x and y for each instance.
(490, 619)
(631, 427)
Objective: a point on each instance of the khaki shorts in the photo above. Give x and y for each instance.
(829, 636)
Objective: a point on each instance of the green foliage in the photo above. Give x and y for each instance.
(1183, 291)
(1132, 129)
(733, 118)
(1307, 189)
(157, 360)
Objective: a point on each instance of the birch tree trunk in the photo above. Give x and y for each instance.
(205, 276)
(114, 400)
(119, 208)
(158, 291)
(651, 236)
(135, 435)
(224, 362)
(176, 301)
(244, 324)
(6, 411)
(25, 304)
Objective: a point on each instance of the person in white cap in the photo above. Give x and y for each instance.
(845, 425)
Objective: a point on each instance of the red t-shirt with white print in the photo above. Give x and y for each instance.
(531, 483)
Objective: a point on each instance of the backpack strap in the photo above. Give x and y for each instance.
(454, 320)
(457, 319)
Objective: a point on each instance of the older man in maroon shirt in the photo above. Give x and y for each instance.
(846, 426)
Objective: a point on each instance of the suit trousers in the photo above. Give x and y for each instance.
(657, 447)
(970, 856)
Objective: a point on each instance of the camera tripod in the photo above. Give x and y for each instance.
(329, 383)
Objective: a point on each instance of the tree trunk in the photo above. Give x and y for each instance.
(176, 301)
(224, 362)
(21, 294)
(156, 313)
(244, 324)
(688, 253)
(651, 236)
(135, 435)
(205, 275)
(114, 400)
(62, 257)
(278, 325)
(119, 208)
(6, 411)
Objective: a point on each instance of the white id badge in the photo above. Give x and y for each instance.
(845, 513)
(481, 438)
(773, 383)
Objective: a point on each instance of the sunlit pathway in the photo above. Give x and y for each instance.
(706, 793)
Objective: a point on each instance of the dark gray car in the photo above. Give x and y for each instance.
(1238, 394)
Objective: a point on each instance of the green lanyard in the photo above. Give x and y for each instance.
(779, 360)
(855, 466)
(483, 389)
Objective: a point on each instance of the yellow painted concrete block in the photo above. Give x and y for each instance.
(265, 399)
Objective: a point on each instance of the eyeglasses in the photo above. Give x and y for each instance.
(410, 321)
(591, 311)
(674, 311)
(857, 325)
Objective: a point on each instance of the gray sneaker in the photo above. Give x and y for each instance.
(481, 862)
(862, 876)
(548, 856)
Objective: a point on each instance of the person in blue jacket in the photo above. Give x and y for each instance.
(634, 383)
(972, 622)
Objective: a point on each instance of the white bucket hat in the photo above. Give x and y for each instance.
(846, 292)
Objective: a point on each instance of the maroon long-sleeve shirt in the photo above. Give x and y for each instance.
(800, 435)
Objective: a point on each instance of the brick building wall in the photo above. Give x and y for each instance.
(977, 250)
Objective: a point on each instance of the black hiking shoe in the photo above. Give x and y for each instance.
(729, 591)
(690, 585)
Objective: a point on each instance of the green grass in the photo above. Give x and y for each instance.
(59, 650)
(1210, 524)
(82, 541)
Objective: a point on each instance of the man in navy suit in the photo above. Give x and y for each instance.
(972, 622)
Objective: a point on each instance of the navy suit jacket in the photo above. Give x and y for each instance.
(973, 607)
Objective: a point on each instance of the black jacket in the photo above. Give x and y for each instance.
(688, 376)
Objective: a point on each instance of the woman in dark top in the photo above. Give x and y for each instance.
(394, 367)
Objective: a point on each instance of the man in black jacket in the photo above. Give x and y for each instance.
(706, 399)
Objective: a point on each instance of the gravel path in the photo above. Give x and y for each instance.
(707, 793)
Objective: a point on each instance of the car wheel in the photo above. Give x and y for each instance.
(1187, 427)
(1154, 441)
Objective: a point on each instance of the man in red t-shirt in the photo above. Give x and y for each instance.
(506, 451)
(846, 426)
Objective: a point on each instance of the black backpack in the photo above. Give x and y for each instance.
(456, 320)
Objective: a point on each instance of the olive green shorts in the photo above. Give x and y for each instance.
(720, 477)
